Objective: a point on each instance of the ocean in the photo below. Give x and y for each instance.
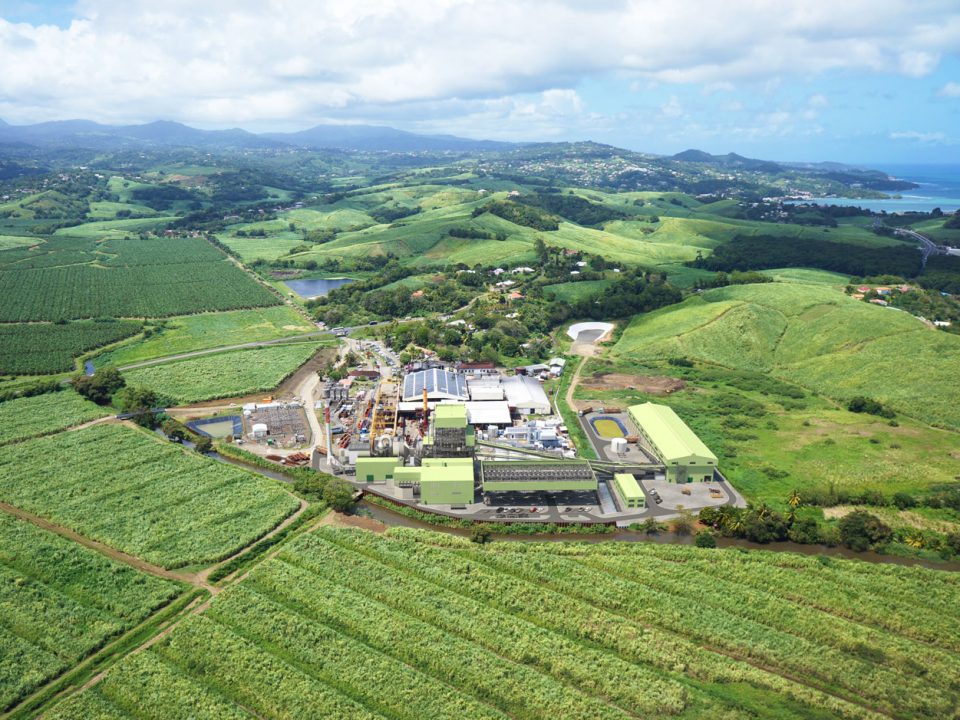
(939, 188)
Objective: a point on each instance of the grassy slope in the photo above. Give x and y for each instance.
(209, 330)
(813, 335)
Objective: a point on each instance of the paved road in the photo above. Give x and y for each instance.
(927, 246)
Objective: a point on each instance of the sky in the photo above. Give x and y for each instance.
(866, 81)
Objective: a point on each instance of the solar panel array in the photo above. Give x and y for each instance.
(435, 381)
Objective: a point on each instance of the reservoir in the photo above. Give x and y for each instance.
(316, 287)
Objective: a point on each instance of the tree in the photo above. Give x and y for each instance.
(480, 534)
(100, 386)
(860, 531)
(540, 248)
(904, 501)
(683, 525)
(705, 539)
(651, 527)
(338, 494)
(140, 403)
(173, 430)
(203, 445)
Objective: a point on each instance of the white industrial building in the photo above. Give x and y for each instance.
(525, 395)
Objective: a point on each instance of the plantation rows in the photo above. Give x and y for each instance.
(141, 495)
(39, 349)
(60, 601)
(415, 625)
(228, 374)
(86, 291)
(30, 417)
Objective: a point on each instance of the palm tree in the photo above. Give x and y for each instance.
(794, 499)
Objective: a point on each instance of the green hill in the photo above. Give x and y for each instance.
(813, 335)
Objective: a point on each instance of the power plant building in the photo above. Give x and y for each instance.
(683, 454)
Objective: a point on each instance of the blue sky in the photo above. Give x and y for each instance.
(856, 81)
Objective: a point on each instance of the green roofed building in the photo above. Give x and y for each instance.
(628, 491)
(452, 415)
(446, 481)
(685, 456)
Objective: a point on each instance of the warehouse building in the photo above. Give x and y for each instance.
(628, 493)
(683, 454)
(437, 481)
(525, 395)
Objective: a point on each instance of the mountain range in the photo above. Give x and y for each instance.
(92, 135)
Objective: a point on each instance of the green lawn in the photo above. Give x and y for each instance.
(227, 374)
(208, 330)
(575, 291)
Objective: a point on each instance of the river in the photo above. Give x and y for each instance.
(394, 519)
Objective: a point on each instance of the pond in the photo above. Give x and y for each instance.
(316, 287)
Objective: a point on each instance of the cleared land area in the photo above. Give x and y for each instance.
(813, 335)
(68, 278)
(59, 602)
(30, 417)
(139, 494)
(227, 374)
(208, 330)
(411, 625)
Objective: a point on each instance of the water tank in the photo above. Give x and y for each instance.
(618, 445)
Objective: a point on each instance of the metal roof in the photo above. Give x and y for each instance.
(437, 382)
(674, 440)
(628, 486)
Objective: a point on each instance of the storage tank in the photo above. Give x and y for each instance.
(259, 430)
(619, 445)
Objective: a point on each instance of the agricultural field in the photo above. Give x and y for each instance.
(226, 374)
(30, 417)
(80, 277)
(46, 348)
(139, 494)
(60, 601)
(8, 242)
(411, 625)
(812, 335)
(207, 330)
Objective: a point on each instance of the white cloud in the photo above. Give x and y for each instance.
(292, 62)
(672, 108)
(922, 137)
(950, 90)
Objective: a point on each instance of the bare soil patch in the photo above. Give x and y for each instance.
(335, 519)
(651, 384)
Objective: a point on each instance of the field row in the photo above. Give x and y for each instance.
(414, 625)
(149, 498)
(59, 602)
